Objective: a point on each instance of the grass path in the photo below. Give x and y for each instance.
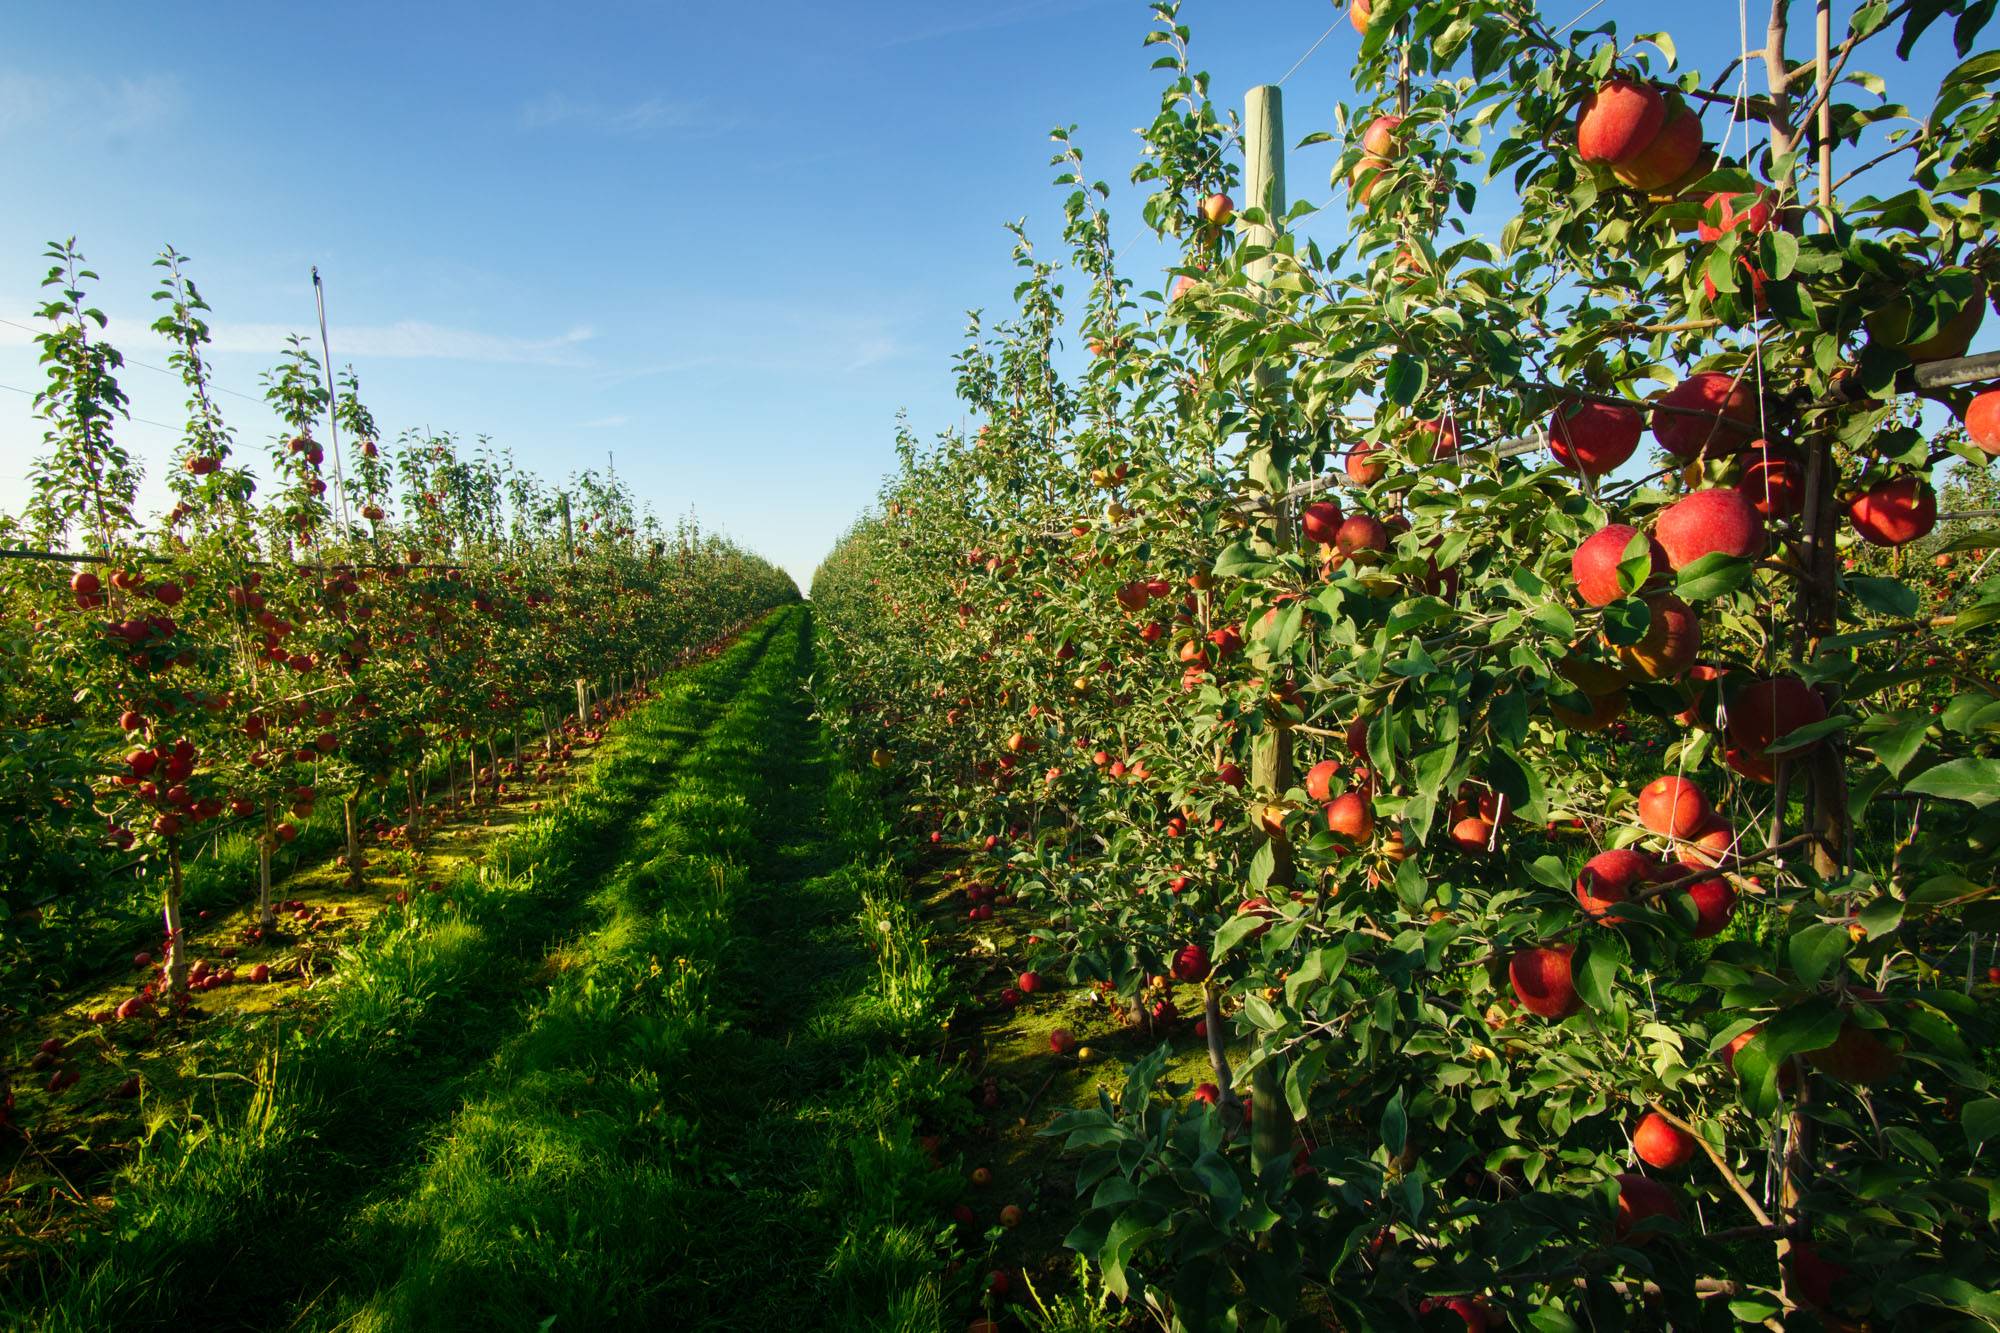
(648, 1079)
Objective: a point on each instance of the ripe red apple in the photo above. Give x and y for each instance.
(1895, 513)
(1357, 14)
(1705, 522)
(1594, 566)
(1594, 438)
(1216, 209)
(1773, 479)
(1010, 1216)
(1361, 532)
(1321, 522)
(1319, 780)
(1191, 963)
(259, 973)
(1379, 139)
(1640, 1199)
(1660, 1143)
(1982, 422)
(1730, 423)
(1714, 845)
(1472, 835)
(1610, 878)
(1714, 903)
(1061, 1042)
(1673, 807)
(1617, 121)
(1858, 1055)
(1541, 981)
(1029, 982)
(1672, 153)
(1670, 644)
(1752, 212)
(1365, 465)
(1349, 816)
(1443, 437)
(1765, 710)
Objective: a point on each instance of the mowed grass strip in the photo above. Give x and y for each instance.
(226, 1209)
(706, 1122)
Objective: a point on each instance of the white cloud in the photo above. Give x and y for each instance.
(758, 337)
(412, 339)
(649, 116)
(88, 103)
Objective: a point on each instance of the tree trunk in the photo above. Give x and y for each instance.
(415, 830)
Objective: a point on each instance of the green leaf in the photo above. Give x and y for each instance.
(1815, 950)
(1809, 734)
(1716, 574)
(1972, 780)
(1885, 597)
(1395, 1125)
(1595, 967)
(1981, 1120)
(1898, 744)
(1234, 931)
(1404, 379)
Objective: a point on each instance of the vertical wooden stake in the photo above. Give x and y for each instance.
(177, 963)
(1271, 758)
(267, 916)
(350, 807)
(1263, 169)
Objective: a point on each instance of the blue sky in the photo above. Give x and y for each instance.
(722, 243)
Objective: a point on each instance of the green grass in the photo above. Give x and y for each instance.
(651, 1077)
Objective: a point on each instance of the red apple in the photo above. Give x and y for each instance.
(1730, 423)
(1594, 438)
(1673, 807)
(1349, 816)
(1541, 981)
(1722, 519)
(1895, 513)
(1594, 566)
(1319, 780)
(1616, 123)
(1660, 1143)
(1640, 1199)
(1982, 422)
(1321, 522)
(1612, 877)
(1672, 153)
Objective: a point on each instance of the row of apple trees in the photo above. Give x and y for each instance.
(336, 631)
(1511, 677)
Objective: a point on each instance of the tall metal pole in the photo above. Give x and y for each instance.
(332, 404)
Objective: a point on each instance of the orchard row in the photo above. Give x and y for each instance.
(360, 620)
(1582, 858)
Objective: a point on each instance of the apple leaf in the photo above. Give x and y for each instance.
(1815, 951)
(1395, 1125)
(1885, 597)
(1627, 620)
(1403, 381)
(1811, 733)
(1595, 967)
(1972, 780)
(1716, 574)
(1981, 1120)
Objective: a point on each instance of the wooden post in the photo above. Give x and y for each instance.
(350, 807)
(1263, 168)
(177, 960)
(267, 916)
(1271, 758)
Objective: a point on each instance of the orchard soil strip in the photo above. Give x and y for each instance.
(220, 1202)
